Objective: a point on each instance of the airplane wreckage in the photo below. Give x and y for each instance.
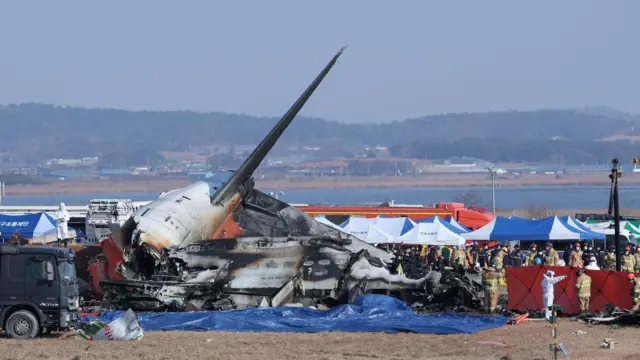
(166, 263)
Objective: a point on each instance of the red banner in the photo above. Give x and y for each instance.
(525, 289)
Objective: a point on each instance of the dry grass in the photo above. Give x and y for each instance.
(453, 180)
(526, 341)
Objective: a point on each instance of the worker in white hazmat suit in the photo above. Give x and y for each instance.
(548, 280)
(62, 219)
(593, 264)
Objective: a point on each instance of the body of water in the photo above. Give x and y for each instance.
(517, 197)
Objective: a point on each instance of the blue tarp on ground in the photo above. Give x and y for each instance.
(369, 313)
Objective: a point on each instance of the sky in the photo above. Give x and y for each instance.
(404, 59)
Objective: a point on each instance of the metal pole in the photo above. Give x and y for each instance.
(493, 190)
(493, 193)
(615, 203)
(554, 332)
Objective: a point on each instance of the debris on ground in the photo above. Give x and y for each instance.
(607, 343)
(125, 327)
(490, 342)
(579, 332)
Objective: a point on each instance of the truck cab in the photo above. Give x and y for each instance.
(38, 290)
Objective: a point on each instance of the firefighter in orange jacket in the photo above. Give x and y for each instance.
(635, 292)
(575, 260)
(490, 285)
(583, 289)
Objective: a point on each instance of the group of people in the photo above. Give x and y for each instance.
(583, 290)
(416, 261)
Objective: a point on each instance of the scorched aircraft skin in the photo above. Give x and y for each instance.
(284, 255)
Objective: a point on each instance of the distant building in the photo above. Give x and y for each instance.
(68, 174)
(115, 172)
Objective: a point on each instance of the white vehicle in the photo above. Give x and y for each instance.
(103, 212)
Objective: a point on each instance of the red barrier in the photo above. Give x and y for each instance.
(525, 289)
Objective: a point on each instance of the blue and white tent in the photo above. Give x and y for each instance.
(323, 220)
(29, 226)
(436, 219)
(513, 217)
(456, 224)
(580, 226)
(437, 232)
(393, 226)
(366, 230)
(504, 229)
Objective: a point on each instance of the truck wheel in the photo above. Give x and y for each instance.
(22, 325)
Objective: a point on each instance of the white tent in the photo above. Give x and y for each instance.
(375, 235)
(366, 230)
(325, 221)
(433, 233)
(393, 226)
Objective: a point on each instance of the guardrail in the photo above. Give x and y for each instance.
(74, 211)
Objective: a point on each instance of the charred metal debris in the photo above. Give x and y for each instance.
(283, 257)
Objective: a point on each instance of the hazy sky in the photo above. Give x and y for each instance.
(404, 58)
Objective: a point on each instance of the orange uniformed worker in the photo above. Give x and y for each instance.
(490, 283)
(459, 257)
(627, 260)
(635, 292)
(575, 260)
(583, 289)
(551, 257)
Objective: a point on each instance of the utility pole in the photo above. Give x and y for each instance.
(493, 189)
(614, 207)
(1, 191)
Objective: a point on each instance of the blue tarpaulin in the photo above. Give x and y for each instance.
(369, 313)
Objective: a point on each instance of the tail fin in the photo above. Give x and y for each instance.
(251, 163)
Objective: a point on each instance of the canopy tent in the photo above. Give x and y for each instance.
(393, 226)
(504, 229)
(513, 217)
(29, 226)
(432, 233)
(456, 224)
(445, 223)
(323, 220)
(577, 224)
(366, 230)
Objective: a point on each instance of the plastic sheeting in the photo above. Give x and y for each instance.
(369, 313)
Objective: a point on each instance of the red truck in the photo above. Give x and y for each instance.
(472, 218)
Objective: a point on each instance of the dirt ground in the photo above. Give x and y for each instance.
(525, 341)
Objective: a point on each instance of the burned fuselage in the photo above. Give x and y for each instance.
(258, 269)
(197, 211)
(283, 255)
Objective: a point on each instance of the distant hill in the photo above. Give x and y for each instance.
(37, 131)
